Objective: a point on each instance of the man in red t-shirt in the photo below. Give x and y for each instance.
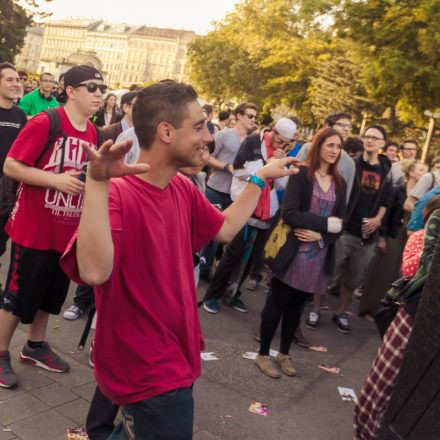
(135, 244)
(44, 218)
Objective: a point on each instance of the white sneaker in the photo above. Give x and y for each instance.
(73, 312)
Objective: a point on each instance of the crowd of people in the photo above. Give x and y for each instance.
(134, 204)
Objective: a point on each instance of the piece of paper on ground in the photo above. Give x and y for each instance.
(77, 434)
(259, 408)
(348, 394)
(209, 356)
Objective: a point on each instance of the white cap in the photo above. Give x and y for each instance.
(286, 127)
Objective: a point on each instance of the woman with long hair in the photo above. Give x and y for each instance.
(109, 113)
(313, 207)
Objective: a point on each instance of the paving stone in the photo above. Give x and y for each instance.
(42, 426)
(77, 375)
(19, 408)
(9, 393)
(204, 435)
(76, 411)
(54, 394)
(6, 435)
(31, 377)
(85, 391)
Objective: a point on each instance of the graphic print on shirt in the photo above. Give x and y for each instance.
(370, 180)
(62, 204)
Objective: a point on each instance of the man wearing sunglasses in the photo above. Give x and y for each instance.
(45, 216)
(227, 143)
(40, 98)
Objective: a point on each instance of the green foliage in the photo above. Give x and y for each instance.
(14, 20)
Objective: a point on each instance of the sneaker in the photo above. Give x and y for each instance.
(211, 305)
(313, 320)
(268, 366)
(91, 359)
(238, 304)
(252, 285)
(341, 321)
(8, 378)
(43, 357)
(300, 340)
(73, 312)
(286, 364)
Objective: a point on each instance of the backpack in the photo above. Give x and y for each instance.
(55, 131)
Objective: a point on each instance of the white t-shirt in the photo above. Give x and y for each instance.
(133, 155)
(427, 182)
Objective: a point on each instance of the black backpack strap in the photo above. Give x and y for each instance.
(54, 132)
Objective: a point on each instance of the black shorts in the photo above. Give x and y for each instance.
(35, 281)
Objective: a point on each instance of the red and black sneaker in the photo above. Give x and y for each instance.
(8, 378)
(43, 357)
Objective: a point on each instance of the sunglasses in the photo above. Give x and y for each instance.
(93, 87)
(251, 116)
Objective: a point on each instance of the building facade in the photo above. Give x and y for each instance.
(126, 54)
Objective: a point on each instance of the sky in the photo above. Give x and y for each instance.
(195, 15)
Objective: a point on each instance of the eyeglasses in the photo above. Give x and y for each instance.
(251, 116)
(93, 87)
(372, 138)
(283, 144)
(341, 124)
(23, 78)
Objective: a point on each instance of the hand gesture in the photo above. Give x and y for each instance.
(108, 161)
(279, 154)
(278, 168)
(371, 225)
(68, 182)
(307, 235)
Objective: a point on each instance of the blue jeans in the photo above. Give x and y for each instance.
(166, 417)
(221, 201)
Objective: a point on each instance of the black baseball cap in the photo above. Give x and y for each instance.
(76, 75)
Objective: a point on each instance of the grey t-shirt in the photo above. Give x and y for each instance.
(227, 143)
(345, 166)
(397, 175)
(426, 182)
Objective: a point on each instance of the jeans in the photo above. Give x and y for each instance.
(232, 258)
(101, 417)
(221, 201)
(83, 297)
(166, 417)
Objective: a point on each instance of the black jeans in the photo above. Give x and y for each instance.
(169, 416)
(83, 297)
(232, 257)
(284, 304)
(101, 417)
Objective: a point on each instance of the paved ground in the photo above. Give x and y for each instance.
(307, 407)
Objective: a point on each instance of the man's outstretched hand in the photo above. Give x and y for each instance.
(277, 168)
(108, 161)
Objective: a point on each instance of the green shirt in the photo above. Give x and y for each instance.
(34, 103)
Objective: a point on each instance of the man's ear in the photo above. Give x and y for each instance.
(165, 132)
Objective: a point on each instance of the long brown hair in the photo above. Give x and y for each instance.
(313, 158)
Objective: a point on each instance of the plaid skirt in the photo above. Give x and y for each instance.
(380, 382)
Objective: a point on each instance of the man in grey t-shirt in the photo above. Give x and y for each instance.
(227, 143)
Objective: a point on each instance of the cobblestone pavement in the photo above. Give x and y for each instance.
(307, 407)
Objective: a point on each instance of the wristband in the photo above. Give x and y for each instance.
(257, 181)
(226, 167)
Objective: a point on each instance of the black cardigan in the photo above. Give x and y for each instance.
(295, 212)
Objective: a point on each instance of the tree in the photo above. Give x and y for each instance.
(14, 20)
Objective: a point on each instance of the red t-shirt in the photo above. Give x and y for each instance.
(45, 218)
(148, 338)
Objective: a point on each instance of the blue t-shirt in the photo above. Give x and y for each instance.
(416, 220)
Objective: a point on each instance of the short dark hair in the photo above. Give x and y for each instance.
(209, 109)
(378, 127)
(391, 144)
(333, 117)
(6, 66)
(160, 102)
(241, 108)
(128, 97)
(224, 115)
(410, 141)
(45, 73)
(435, 160)
(354, 145)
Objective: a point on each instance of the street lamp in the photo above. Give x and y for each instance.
(432, 117)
